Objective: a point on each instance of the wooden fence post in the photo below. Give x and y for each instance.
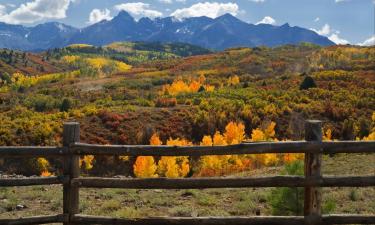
(71, 170)
(313, 195)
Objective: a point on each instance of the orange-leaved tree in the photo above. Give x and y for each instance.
(234, 133)
(145, 167)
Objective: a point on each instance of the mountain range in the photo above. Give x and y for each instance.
(223, 32)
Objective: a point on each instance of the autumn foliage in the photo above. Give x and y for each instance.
(179, 86)
(174, 167)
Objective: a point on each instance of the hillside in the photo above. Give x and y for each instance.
(27, 63)
(220, 33)
(127, 100)
(131, 52)
(48, 62)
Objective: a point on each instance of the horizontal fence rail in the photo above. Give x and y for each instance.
(36, 220)
(261, 220)
(204, 183)
(326, 147)
(11, 182)
(244, 148)
(41, 151)
(312, 147)
(254, 220)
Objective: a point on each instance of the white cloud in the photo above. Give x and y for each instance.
(98, 15)
(257, 1)
(171, 1)
(338, 1)
(166, 1)
(316, 19)
(325, 30)
(139, 9)
(267, 20)
(37, 10)
(368, 42)
(209, 9)
(332, 35)
(335, 38)
(2, 10)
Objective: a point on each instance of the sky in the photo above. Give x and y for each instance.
(342, 21)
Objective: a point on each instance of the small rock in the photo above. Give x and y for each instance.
(262, 200)
(187, 194)
(20, 207)
(194, 214)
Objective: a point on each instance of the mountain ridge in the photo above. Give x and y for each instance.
(223, 32)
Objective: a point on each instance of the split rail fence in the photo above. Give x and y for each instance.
(313, 147)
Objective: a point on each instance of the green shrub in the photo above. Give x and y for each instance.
(353, 195)
(329, 206)
(66, 105)
(288, 201)
(42, 103)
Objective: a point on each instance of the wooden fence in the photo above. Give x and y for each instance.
(313, 147)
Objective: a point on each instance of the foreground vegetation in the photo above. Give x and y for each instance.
(211, 202)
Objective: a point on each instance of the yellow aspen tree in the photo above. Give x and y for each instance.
(257, 135)
(207, 141)
(209, 165)
(174, 166)
(145, 167)
(46, 174)
(234, 133)
(87, 162)
(327, 136)
(194, 86)
(155, 140)
(269, 132)
(219, 139)
(233, 80)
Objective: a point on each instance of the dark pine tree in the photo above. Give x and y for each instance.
(307, 83)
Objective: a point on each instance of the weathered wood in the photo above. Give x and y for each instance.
(223, 182)
(71, 170)
(34, 151)
(261, 220)
(35, 220)
(192, 183)
(313, 162)
(348, 219)
(30, 181)
(347, 181)
(258, 220)
(244, 148)
(330, 147)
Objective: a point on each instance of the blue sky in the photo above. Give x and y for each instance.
(343, 21)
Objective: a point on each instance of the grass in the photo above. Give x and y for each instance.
(211, 202)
